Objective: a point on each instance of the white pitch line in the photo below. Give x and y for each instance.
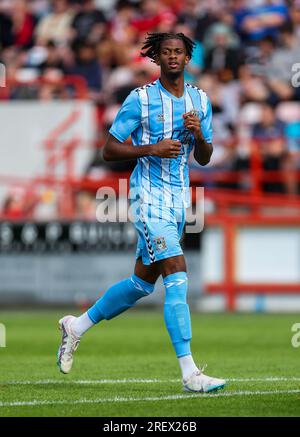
(136, 380)
(267, 379)
(116, 399)
(89, 382)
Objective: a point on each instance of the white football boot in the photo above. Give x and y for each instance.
(198, 382)
(69, 344)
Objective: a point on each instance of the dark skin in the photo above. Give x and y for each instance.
(172, 60)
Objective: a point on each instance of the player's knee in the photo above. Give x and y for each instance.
(173, 265)
(176, 286)
(121, 297)
(140, 288)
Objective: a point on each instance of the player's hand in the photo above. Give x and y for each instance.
(192, 123)
(167, 148)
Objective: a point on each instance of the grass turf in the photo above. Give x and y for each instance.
(136, 346)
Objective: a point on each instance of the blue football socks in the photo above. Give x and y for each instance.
(119, 298)
(177, 313)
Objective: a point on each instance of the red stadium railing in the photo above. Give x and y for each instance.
(230, 286)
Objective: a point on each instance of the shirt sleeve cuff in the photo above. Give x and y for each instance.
(116, 135)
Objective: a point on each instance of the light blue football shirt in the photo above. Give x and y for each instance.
(150, 114)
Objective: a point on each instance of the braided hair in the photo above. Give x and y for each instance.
(153, 42)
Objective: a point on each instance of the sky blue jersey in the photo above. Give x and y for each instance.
(150, 114)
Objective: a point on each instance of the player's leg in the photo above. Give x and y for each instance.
(119, 297)
(177, 313)
(124, 294)
(116, 299)
(161, 231)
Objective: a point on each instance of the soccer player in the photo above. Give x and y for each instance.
(166, 120)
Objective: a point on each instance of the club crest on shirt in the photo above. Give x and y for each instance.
(160, 244)
(160, 117)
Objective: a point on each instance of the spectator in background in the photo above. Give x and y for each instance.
(120, 24)
(6, 30)
(57, 25)
(254, 87)
(224, 96)
(86, 64)
(195, 16)
(151, 14)
(115, 50)
(23, 24)
(269, 134)
(295, 17)
(253, 75)
(281, 62)
(111, 57)
(223, 54)
(53, 59)
(257, 57)
(89, 23)
(259, 18)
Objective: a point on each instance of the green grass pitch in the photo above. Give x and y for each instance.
(253, 351)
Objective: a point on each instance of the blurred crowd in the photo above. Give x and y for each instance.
(245, 58)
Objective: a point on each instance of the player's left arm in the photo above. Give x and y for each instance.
(202, 132)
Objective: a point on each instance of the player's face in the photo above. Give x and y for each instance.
(172, 57)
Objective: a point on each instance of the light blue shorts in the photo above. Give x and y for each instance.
(160, 230)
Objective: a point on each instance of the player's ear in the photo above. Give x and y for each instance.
(187, 60)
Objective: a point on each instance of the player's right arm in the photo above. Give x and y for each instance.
(115, 150)
(127, 121)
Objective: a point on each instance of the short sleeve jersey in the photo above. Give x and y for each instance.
(150, 114)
